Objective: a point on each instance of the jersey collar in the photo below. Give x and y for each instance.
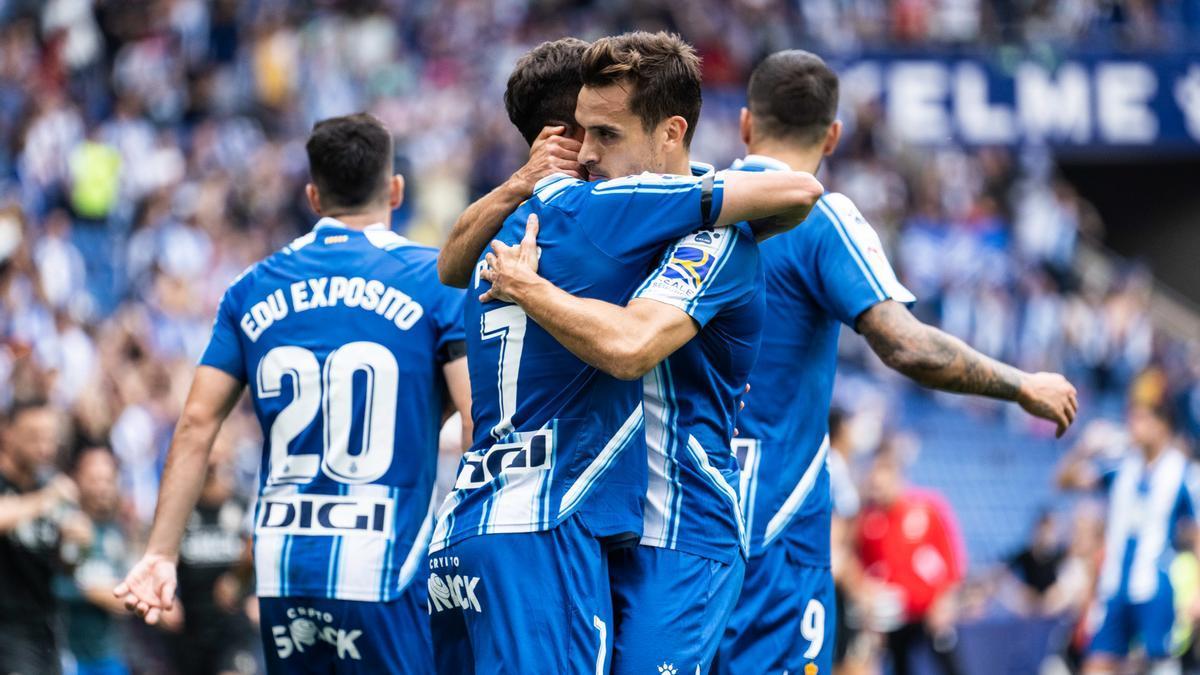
(334, 222)
(701, 169)
(762, 162)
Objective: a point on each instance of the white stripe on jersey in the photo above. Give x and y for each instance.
(718, 479)
(268, 548)
(661, 481)
(445, 521)
(749, 477)
(865, 247)
(575, 494)
(791, 505)
(516, 502)
(416, 554)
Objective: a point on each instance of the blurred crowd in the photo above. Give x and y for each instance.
(150, 150)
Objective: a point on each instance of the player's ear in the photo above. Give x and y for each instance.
(396, 194)
(676, 129)
(314, 198)
(745, 125)
(832, 136)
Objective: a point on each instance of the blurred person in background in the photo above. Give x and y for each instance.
(41, 532)
(93, 616)
(215, 577)
(913, 562)
(1153, 490)
(1036, 566)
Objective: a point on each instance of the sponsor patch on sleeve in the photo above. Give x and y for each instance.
(689, 266)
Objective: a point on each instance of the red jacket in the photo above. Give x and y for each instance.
(915, 545)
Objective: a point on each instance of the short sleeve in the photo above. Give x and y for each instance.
(705, 272)
(637, 215)
(224, 350)
(852, 272)
(448, 317)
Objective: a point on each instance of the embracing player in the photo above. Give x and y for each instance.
(828, 272)
(558, 471)
(691, 330)
(348, 341)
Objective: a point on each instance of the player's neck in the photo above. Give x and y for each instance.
(680, 165)
(800, 159)
(361, 221)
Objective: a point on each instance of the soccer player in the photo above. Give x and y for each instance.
(1152, 488)
(519, 575)
(348, 340)
(692, 330)
(828, 272)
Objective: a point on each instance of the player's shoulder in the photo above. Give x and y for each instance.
(838, 209)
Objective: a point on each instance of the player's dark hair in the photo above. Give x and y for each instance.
(543, 87)
(793, 94)
(350, 160)
(663, 70)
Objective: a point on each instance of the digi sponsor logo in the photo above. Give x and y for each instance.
(450, 591)
(307, 627)
(531, 453)
(329, 515)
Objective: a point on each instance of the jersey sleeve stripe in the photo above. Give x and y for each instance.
(852, 247)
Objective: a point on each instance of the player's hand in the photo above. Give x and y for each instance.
(512, 268)
(1051, 397)
(550, 153)
(149, 588)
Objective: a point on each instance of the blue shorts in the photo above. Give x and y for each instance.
(669, 609)
(319, 635)
(532, 602)
(784, 620)
(1149, 624)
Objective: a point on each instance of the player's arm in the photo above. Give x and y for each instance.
(551, 153)
(149, 588)
(771, 201)
(458, 381)
(625, 342)
(939, 360)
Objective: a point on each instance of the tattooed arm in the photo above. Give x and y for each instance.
(938, 360)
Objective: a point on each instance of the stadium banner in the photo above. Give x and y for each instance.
(1084, 101)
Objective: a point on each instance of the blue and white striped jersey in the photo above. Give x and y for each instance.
(691, 397)
(1145, 506)
(553, 435)
(341, 337)
(821, 274)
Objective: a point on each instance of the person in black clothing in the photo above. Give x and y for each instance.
(39, 530)
(1037, 565)
(215, 571)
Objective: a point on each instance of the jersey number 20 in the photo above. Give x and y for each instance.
(330, 391)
